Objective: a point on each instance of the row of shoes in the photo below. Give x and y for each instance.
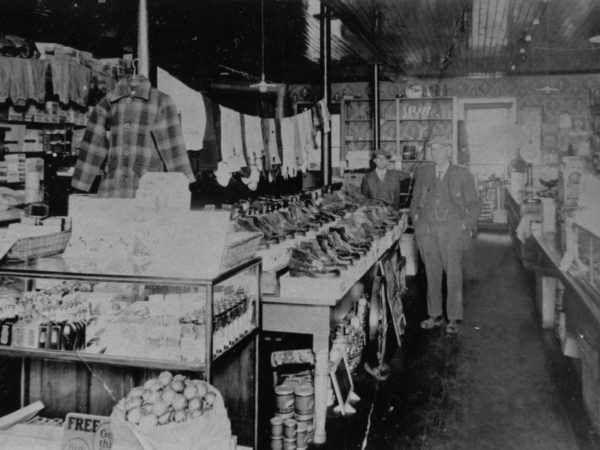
(341, 246)
(296, 219)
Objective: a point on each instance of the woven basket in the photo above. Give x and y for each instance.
(38, 246)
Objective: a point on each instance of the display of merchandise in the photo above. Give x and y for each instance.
(233, 318)
(586, 260)
(320, 236)
(352, 331)
(342, 245)
(171, 411)
(281, 219)
(293, 420)
(92, 318)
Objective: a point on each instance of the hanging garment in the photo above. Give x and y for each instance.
(39, 70)
(244, 147)
(231, 139)
(273, 148)
(5, 75)
(132, 130)
(209, 155)
(313, 154)
(61, 78)
(323, 116)
(79, 83)
(287, 141)
(254, 140)
(190, 105)
(307, 137)
(298, 151)
(22, 85)
(223, 173)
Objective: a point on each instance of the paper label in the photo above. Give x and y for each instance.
(86, 432)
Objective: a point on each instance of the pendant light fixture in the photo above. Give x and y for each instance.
(546, 88)
(262, 85)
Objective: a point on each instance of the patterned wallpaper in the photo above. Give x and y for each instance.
(571, 98)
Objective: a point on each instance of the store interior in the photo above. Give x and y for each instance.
(190, 258)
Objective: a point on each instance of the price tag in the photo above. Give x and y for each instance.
(86, 431)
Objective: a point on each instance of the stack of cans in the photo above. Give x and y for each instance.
(292, 426)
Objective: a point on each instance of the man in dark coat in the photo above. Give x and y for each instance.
(444, 210)
(382, 183)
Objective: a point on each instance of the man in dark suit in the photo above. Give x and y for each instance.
(444, 210)
(382, 183)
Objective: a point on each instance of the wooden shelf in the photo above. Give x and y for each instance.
(425, 120)
(370, 140)
(422, 99)
(41, 124)
(126, 361)
(369, 120)
(401, 115)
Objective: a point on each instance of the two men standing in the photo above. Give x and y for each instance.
(444, 211)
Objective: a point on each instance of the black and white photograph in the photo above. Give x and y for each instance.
(299, 224)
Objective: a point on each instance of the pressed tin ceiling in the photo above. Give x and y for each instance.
(431, 38)
(202, 41)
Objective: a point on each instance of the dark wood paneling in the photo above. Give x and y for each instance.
(62, 387)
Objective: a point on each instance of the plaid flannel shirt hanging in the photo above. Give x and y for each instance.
(133, 130)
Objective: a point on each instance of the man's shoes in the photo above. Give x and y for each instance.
(432, 322)
(452, 327)
(380, 373)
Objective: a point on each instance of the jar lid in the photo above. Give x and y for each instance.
(304, 389)
(283, 389)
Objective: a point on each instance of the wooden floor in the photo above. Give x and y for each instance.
(502, 383)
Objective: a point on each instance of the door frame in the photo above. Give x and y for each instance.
(510, 103)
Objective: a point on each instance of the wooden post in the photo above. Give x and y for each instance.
(321, 383)
(143, 54)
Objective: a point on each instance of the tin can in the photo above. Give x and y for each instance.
(289, 428)
(276, 427)
(306, 421)
(304, 399)
(301, 436)
(289, 444)
(284, 399)
(277, 443)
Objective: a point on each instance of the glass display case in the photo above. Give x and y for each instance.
(62, 309)
(86, 335)
(587, 260)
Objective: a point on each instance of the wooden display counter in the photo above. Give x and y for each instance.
(315, 305)
(576, 315)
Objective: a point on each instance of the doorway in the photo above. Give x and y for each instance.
(489, 128)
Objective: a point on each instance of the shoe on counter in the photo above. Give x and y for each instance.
(343, 234)
(431, 322)
(313, 269)
(313, 248)
(332, 251)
